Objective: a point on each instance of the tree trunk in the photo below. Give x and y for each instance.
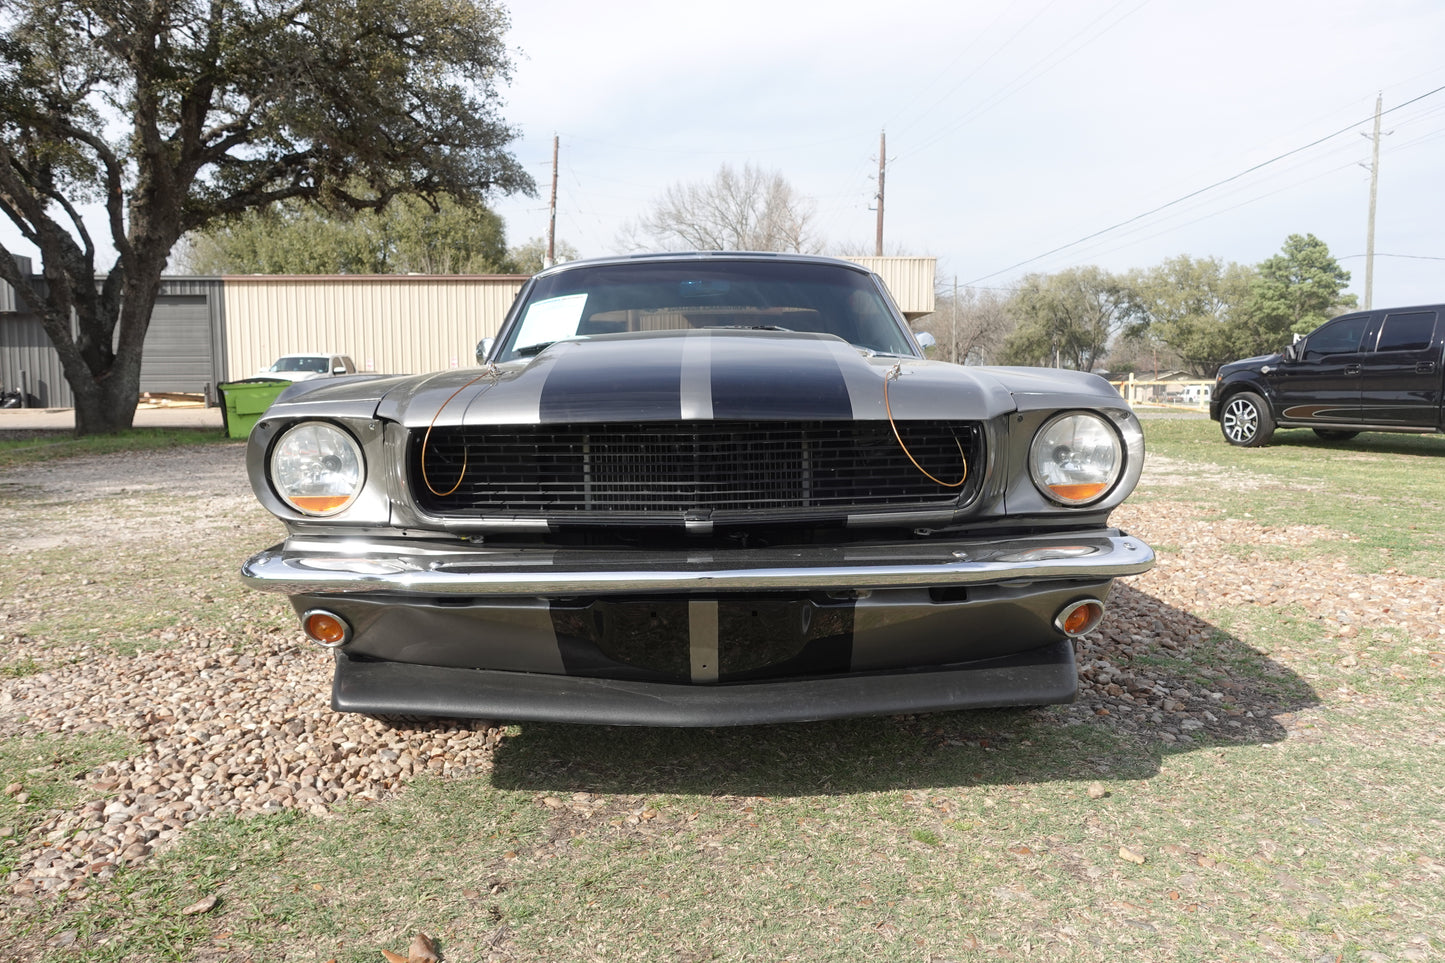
(106, 407)
(107, 387)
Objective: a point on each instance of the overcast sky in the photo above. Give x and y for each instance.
(1014, 129)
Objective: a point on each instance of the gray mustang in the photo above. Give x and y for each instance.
(702, 489)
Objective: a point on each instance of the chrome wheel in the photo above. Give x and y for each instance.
(1246, 421)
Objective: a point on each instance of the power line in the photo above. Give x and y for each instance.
(1203, 190)
(1038, 69)
(1407, 257)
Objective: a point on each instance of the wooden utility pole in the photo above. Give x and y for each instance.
(882, 165)
(552, 221)
(953, 323)
(1374, 189)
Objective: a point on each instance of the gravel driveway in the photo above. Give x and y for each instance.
(227, 705)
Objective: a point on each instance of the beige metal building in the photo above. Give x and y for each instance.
(392, 324)
(206, 331)
(909, 280)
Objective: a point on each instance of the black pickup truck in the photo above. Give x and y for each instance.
(1377, 370)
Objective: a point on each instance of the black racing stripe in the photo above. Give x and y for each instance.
(769, 636)
(640, 382)
(780, 379)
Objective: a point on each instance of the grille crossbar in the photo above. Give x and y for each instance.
(746, 470)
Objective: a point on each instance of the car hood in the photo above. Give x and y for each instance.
(289, 375)
(1250, 364)
(709, 374)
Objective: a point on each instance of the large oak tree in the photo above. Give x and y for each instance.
(172, 114)
(1196, 306)
(1066, 319)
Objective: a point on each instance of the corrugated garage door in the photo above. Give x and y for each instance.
(178, 353)
(27, 356)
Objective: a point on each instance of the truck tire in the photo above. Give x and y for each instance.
(1245, 420)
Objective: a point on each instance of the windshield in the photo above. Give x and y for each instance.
(300, 363)
(619, 298)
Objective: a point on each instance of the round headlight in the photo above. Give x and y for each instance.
(317, 468)
(1076, 458)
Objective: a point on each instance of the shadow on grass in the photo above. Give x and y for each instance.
(1129, 698)
(1372, 442)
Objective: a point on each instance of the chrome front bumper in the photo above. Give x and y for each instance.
(303, 566)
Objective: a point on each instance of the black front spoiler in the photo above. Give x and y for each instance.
(1039, 677)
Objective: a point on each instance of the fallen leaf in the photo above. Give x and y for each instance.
(393, 957)
(1097, 790)
(423, 947)
(471, 893)
(1126, 853)
(201, 906)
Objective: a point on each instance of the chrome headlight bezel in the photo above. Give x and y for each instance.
(1092, 481)
(291, 468)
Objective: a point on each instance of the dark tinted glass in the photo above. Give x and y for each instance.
(1338, 337)
(1407, 332)
(643, 295)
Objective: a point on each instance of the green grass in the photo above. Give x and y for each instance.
(1383, 491)
(41, 446)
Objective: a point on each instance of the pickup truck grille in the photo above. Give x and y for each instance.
(724, 471)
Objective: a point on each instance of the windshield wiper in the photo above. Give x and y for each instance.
(750, 327)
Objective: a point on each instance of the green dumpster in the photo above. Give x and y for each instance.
(244, 402)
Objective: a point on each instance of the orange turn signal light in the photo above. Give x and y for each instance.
(326, 629)
(1080, 618)
(319, 504)
(1077, 493)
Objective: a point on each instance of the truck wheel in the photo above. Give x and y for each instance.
(1335, 434)
(1246, 421)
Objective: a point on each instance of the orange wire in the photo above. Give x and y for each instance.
(897, 371)
(491, 370)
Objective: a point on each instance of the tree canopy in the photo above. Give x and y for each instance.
(1065, 319)
(1194, 306)
(1296, 291)
(173, 115)
(969, 327)
(406, 237)
(747, 210)
(530, 256)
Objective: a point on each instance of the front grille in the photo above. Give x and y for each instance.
(725, 471)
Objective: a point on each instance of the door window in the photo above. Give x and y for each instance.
(1341, 336)
(1411, 331)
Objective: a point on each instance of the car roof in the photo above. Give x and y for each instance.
(703, 256)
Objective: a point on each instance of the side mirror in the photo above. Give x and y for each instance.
(484, 348)
(339, 369)
(1291, 352)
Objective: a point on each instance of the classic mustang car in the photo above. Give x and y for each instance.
(704, 489)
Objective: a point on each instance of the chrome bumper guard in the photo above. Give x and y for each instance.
(393, 566)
